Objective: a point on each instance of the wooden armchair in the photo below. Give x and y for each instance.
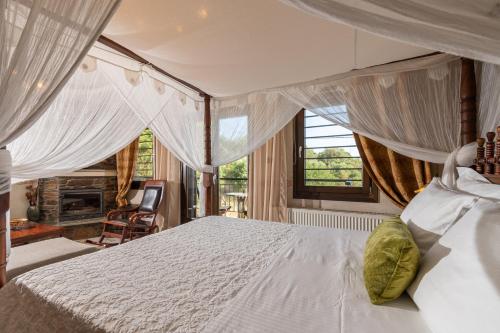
(139, 220)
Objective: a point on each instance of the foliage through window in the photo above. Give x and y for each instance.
(233, 186)
(328, 164)
(144, 168)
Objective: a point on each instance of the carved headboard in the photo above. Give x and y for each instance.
(487, 161)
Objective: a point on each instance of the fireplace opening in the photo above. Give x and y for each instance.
(80, 204)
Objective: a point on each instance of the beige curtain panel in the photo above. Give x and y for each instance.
(125, 168)
(267, 180)
(168, 167)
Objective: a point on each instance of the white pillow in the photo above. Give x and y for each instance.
(433, 211)
(458, 286)
(472, 182)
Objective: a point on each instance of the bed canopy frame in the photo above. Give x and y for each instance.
(207, 177)
(468, 132)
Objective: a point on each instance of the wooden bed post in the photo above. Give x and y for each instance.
(4, 207)
(468, 102)
(208, 177)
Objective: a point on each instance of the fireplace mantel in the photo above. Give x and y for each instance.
(91, 173)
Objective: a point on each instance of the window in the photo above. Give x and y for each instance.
(233, 186)
(232, 135)
(327, 162)
(144, 168)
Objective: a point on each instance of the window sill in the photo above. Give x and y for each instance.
(372, 197)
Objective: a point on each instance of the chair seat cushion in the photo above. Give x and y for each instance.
(117, 223)
(30, 256)
(123, 224)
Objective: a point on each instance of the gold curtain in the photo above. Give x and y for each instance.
(125, 168)
(396, 175)
(267, 180)
(168, 167)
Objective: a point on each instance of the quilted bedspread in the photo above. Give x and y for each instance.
(175, 281)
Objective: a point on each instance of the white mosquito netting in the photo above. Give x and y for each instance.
(42, 43)
(411, 106)
(488, 85)
(102, 108)
(468, 28)
(56, 118)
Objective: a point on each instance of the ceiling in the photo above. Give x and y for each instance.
(229, 47)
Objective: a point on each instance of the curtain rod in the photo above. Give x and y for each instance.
(131, 54)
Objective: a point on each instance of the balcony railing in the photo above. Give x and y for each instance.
(232, 196)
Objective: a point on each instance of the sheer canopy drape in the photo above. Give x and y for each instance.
(488, 84)
(85, 124)
(242, 124)
(42, 43)
(103, 107)
(465, 28)
(410, 106)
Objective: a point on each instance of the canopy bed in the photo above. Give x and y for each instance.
(219, 274)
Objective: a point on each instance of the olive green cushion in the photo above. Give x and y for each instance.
(390, 262)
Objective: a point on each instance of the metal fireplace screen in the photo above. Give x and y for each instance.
(80, 204)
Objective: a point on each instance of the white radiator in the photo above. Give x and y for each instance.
(335, 219)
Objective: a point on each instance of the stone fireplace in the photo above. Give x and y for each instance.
(67, 199)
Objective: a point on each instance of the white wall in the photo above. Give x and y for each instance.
(384, 206)
(18, 202)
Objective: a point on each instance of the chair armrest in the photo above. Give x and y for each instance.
(139, 216)
(124, 210)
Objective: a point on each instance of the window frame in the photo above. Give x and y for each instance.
(367, 193)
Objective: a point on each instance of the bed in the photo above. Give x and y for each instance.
(216, 274)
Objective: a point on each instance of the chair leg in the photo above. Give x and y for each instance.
(124, 234)
(101, 239)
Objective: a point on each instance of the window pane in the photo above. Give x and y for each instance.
(331, 155)
(144, 168)
(346, 141)
(327, 130)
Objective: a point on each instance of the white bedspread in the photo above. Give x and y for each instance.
(316, 285)
(173, 281)
(216, 274)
